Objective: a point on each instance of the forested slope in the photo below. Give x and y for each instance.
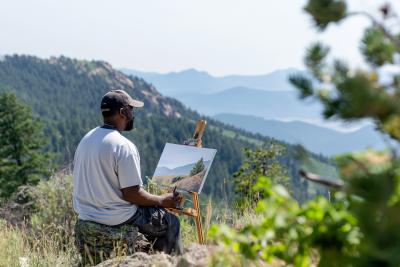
(67, 93)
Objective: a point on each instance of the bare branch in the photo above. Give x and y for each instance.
(339, 185)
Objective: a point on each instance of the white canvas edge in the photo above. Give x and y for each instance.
(208, 169)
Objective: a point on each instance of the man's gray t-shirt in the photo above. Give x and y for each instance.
(104, 163)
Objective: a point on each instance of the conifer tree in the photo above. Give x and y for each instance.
(261, 162)
(198, 167)
(22, 160)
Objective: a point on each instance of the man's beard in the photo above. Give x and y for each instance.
(129, 126)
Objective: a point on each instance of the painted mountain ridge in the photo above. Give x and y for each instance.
(183, 170)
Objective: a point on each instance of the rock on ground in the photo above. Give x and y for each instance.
(194, 255)
(142, 244)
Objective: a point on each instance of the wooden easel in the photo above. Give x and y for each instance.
(195, 212)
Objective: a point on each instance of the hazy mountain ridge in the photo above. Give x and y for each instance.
(249, 101)
(269, 97)
(192, 80)
(314, 138)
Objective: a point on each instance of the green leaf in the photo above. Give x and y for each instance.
(281, 191)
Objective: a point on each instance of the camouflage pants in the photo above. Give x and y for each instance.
(156, 223)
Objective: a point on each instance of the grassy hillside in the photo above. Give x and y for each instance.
(67, 93)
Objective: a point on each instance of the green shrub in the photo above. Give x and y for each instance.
(52, 200)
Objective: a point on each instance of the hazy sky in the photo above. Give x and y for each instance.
(178, 155)
(218, 36)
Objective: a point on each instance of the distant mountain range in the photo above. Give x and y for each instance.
(314, 138)
(248, 101)
(191, 80)
(183, 170)
(269, 96)
(259, 104)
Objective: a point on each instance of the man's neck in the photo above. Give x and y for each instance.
(120, 128)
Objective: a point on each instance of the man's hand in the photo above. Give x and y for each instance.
(136, 195)
(170, 200)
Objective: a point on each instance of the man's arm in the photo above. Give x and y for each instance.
(137, 195)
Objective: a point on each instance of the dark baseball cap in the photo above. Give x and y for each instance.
(117, 99)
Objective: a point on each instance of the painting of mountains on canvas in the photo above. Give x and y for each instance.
(183, 166)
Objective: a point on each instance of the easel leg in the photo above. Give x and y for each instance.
(198, 219)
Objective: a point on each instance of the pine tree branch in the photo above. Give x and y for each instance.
(394, 40)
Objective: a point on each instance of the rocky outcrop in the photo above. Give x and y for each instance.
(193, 255)
(154, 102)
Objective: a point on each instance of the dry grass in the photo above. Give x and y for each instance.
(51, 246)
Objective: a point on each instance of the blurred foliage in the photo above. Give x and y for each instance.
(354, 94)
(326, 11)
(360, 226)
(377, 48)
(260, 162)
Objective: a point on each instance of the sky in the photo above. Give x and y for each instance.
(222, 37)
(178, 155)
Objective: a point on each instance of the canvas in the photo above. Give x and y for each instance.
(183, 166)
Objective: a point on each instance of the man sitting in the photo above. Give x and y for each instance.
(107, 179)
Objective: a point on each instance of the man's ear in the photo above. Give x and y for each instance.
(122, 112)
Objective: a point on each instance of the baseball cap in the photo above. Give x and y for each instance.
(117, 99)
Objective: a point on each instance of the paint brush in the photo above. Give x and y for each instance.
(178, 206)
